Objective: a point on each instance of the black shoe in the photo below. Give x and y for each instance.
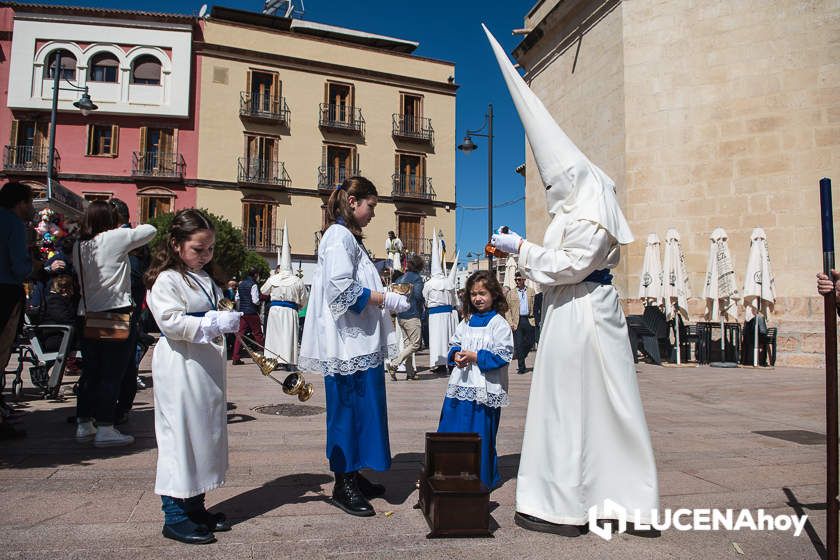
(347, 496)
(216, 522)
(520, 371)
(237, 363)
(368, 488)
(536, 524)
(189, 532)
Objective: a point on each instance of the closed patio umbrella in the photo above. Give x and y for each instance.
(675, 286)
(721, 289)
(510, 272)
(759, 284)
(650, 281)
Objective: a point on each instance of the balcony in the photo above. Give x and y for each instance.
(157, 165)
(262, 172)
(264, 108)
(413, 129)
(29, 159)
(412, 187)
(341, 118)
(417, 245)
(330, 177)
(261, 239)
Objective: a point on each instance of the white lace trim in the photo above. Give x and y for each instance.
(333, 366)
(504, 353)
(346, 299)
(478, 394)
(352, 332)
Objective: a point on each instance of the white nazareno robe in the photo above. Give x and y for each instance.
(189, 380)
(586, 439)
(281, 328)
(441, 325)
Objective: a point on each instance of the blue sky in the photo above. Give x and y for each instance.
(449, 31)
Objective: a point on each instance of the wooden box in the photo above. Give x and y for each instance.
(453, 499)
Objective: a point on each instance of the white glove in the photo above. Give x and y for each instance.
(215, 323)
(396, 303)
(228, 321)
(507, 242)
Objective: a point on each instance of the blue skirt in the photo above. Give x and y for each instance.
(357, 421)
(470, 416)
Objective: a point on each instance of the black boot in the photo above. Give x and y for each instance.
(216, 522)
(368, 488)
(541, 525)
(189, 532)
(347, 496)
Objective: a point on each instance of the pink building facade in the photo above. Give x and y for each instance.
(141, 144)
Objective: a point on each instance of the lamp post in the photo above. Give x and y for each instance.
(84, 104)
(469, 146)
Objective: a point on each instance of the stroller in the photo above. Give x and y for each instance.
(46, 369)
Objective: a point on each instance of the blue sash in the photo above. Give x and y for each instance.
(289, 304)
(194, 314)
(440, 309)
(602, 277)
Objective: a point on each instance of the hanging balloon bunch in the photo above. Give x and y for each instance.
(50, 229)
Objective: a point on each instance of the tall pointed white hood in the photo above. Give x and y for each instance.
(286, 255)
(574, 185)
(452, 282)
(437, 269)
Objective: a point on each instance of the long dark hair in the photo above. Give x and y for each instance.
(99, 216)
(184, 225)
(500, 304)
(338, 205)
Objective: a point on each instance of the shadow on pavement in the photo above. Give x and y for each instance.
(50, 439)
(289, 489)
(799, 508)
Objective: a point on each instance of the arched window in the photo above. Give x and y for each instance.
(104, 67)
(68, 65)
(146, 71)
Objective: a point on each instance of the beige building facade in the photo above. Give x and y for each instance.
(706, 114)
(288, 109)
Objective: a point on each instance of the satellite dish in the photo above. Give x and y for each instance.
(203, 11)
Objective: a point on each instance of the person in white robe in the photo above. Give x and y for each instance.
(188, 369)
(347, 336)
(288, 295)
(394, 251)
(586, 438)
(481, 348)
(437, 293)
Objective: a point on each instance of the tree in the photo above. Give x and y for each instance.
(254, 260)
(230, 253)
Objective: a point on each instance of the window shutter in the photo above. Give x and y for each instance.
(356, 168)
(326, 92)
(115, 140)
(324, 162)
(248, 82)
(275, 87)
(13, 134)
(42, 130)
(352, 100)
(143, 147)
(89, 129)
(174, 143)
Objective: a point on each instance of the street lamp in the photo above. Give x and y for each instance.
(469, 146)
(84, 104)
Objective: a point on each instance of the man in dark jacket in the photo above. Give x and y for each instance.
(409, 321)
(248, 296)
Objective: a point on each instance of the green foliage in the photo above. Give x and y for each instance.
(254, 260)
(230, 253)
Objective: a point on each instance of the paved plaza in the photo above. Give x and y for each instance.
(65, 500)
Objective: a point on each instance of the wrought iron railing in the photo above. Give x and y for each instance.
(418, 245)
(330, 177)
(418, 129)
(262, 238)
(412, 186)
(262, 172)
(33, 159)
(344, 118)
(158, 165)
(264, 107)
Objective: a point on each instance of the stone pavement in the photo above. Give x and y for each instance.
(59, 499)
